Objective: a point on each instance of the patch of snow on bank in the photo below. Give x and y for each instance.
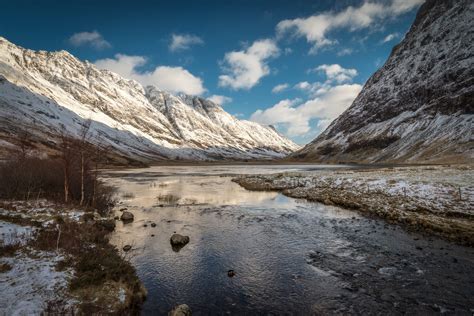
(31, 283)
(122, 295)
(11, 233)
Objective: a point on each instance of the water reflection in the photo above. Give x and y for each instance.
(289, 256)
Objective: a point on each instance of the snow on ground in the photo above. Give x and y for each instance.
(12, 233)
(439, 188)
(31, 279)
(38, 210)
(31, 283)
(437, 199)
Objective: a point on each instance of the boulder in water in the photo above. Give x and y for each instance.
(127, 216)
(178, 241)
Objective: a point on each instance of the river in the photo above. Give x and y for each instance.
(289, 256)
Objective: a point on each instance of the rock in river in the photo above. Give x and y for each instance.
(178, 241)
(181, 310)
(127, 217)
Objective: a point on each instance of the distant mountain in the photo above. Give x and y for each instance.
(46, 92)
(419, 106)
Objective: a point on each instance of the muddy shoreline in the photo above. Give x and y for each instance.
(436, 200)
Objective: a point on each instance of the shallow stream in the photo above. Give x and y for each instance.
(289, 256)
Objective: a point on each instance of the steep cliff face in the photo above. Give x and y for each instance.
(49, 93)
(419, 106)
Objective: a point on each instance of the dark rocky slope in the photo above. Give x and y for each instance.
(419, 106)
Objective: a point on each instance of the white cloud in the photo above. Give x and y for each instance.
(345, 52)
(244, 69)
(403, 6)
(172, 79)
(180, 42)
(93, 39)
(390, 37)
(315, 28)
(295, 116)
(323, 124)
(283, 113)
(303, 85)
(313, 89)
(280, 87)
(336, 73)
(219, 99)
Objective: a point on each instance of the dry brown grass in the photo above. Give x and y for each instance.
(128, 195)
(9, 250)
(5, 267)
(168, 198)
(96, 263)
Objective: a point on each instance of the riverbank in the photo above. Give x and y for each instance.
(437, 200)
(57, 259)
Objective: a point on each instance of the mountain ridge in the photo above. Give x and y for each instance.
(418, 107)
(47, 91)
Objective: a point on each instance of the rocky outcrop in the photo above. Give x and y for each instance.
(419, 106)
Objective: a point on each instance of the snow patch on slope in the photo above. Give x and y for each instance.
(49, 91)
(419, 106)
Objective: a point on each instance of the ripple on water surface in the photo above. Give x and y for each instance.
(289, 256)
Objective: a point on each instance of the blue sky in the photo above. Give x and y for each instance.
(294, 64)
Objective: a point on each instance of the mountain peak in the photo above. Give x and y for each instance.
(419, 106)
(45, 91)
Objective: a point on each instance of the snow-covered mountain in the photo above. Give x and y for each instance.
(47, 92)
(419, 106)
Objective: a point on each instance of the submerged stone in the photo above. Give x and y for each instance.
(181, 310)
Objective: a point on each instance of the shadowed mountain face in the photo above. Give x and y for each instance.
(44, 93)
(419, 106)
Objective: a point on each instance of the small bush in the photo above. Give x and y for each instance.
(99, 265)
(5, 267)
(74, 238)
(95, 261)
(58, 307)
(9, 250)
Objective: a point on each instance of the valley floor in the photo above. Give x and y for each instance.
(435, 199)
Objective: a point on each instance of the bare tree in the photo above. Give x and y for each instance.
(66, 148)
(83, 149)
